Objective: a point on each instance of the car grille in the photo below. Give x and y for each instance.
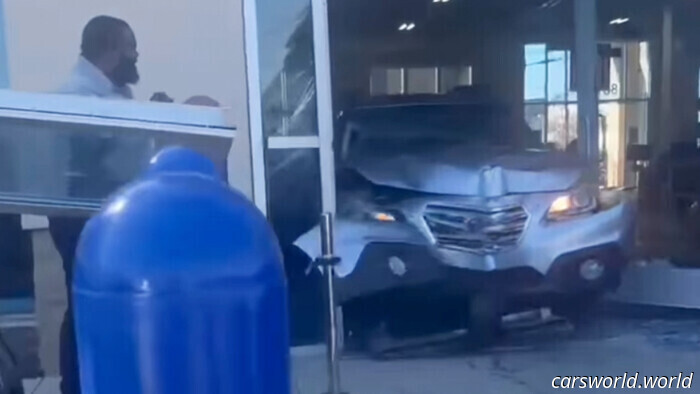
(473, 230)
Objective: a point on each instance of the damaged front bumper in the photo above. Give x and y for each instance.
(547, 256)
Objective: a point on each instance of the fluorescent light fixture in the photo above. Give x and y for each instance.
(550, 4)
(619, 21)
(441, 1)
(407, 26)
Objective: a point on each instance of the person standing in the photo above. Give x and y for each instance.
(105, 69)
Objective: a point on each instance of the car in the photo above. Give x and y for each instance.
(445, 198)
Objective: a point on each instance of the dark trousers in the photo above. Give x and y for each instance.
(65, 233)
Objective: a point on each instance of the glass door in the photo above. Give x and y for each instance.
(291, 123)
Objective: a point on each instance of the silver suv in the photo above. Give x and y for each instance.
(442, 198)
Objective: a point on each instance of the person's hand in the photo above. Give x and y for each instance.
(161, 97)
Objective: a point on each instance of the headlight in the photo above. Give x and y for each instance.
(572, 204)
(383, 216)
(386, 215)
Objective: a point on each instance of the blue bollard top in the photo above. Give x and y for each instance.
(179, 226)
(178, 160)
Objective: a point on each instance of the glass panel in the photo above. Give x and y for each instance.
(535, 71)
(562, 126)
(294, 187)
(453, 77)
(571, 94)
(535, 118)
(396, 83)
(612, 77)
(422, 80)
(51, 164)
(287, 80)
(557, 76)
(622, 124)
(194, 49)
(572, 136)
(392, 151)
(638, 70)
(613, 136)
(558, 126)
(637, 122)
(16, 274)
(62, 154)
(387, 81)
(289, 108)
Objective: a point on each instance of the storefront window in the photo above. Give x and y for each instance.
(535, 71)
(625, 88)
(419, 80)
(76, 118)
(108, 62)
(286, 59)
(176, 56)
(548, 85)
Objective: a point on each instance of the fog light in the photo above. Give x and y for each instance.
(591, 270)
(397, 266)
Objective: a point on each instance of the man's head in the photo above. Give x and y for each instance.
(110, 44)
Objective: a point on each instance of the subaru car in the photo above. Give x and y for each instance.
(447, 198)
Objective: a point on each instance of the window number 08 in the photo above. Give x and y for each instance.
(614, 89)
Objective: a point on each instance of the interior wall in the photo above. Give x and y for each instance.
(685, 92)
(502, 68)
(495, 54)
(495, 61)
(186, 48)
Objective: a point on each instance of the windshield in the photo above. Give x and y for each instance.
(430, 124)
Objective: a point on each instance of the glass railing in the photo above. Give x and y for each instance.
(65, 153)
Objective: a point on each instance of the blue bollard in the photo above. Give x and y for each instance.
(179, 288)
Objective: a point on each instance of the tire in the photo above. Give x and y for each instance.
(484, 320)
(378, 341)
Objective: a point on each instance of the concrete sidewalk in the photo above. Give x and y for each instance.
(523, 364)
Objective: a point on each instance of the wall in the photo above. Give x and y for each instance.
(186, 48)
(502, 68)
(497, 60)
(685, 91)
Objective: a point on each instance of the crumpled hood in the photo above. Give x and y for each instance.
(468, 171)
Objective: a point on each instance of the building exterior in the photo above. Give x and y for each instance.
(282, 70)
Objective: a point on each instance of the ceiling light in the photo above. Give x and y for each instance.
(619, 21)
(550, 3)
(441, 1)
(407, 26)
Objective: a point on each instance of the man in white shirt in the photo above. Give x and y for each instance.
(107, 64)
(105, 69)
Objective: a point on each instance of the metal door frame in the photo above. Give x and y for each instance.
(324, 140)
